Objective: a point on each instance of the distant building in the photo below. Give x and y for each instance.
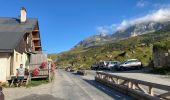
(19, 39)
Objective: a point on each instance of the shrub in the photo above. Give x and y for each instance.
(162, 71)
(165, 45)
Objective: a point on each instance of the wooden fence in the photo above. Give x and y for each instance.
(136, 88)
(43, 73)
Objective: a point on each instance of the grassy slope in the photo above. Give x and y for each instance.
(139, 47)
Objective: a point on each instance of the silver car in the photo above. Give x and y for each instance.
(129, 64)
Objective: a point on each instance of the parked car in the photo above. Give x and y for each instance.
(82, 72)
(95, 67)
(111, 65)
(129, 64)
(103, 64)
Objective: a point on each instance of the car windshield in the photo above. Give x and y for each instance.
(133, 61)
(123, 62)
(114, 62)
(106, 62)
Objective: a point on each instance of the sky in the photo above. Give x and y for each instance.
(64, 23)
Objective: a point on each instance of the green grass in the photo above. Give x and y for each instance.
(165, 45)
(35, 83)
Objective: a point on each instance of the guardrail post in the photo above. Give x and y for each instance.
(49, 72)
(102, 76)
(130, 84)
(97, 75)
(118, 81)
(110, 79)
(151, 92)
(133, 86)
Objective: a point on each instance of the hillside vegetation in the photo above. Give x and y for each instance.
(139, 47)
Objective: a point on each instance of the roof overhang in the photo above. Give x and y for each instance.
(6, 51)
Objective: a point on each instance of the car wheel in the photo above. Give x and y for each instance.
(139, 67)
(112, 69)
(122, 68)
(117, 69)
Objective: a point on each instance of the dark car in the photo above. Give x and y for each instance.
(111, 65)
(103, 64)
(95, 67)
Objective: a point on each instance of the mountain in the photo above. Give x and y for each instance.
(139, 29)
(139, 47)
(131, 31)
(98, 39)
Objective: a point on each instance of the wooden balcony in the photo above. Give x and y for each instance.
(36, 30)
(34, 39)
(37, 46)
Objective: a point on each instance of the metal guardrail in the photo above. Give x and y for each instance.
(136, 88)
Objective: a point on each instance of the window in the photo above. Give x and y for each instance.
(127, 62)
(115, 62)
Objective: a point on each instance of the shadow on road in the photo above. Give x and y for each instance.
(74, 73)
(114, 94)
(39, 97)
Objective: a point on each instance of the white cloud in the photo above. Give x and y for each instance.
(103, 29)
(160, 15)
(106, 29)
(142, 3)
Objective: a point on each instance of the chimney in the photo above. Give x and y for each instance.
(23, 16)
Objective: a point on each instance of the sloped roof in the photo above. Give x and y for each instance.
(12, 31)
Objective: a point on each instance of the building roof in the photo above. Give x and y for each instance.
(12, 31)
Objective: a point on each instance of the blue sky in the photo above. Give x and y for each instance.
(63, 23)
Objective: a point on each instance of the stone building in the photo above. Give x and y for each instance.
(161, 55)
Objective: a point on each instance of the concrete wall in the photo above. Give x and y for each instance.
(10, 62)
(5, 61)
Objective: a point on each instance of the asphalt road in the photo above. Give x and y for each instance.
(139, 75)
(70, 86)
(66, 86)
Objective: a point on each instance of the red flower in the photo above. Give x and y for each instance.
(35, 72)
(44, 64)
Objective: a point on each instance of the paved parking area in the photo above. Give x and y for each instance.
(140, 75)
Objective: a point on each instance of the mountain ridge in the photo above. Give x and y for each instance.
(131, 31)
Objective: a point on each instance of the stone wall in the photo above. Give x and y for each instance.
(161, 58)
